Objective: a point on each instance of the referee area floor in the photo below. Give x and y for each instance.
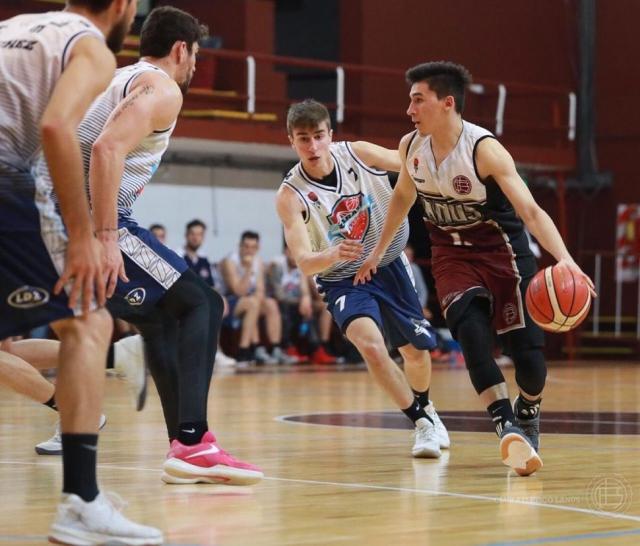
(338, 466)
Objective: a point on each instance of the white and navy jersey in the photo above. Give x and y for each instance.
(142, 162)
(354, 209)
(34, 50)
(256, 270)
(461, 210)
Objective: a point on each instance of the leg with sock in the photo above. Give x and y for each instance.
(417, 369)
(187, 302)
(525, 347)
(474, 332)
(160, 334)
(194, 456)
(365, 334)
(84, 512)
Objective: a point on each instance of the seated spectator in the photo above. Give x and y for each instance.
(244, 276)
(160, 232)
(194, 237)
(322, 353)
(290, 288)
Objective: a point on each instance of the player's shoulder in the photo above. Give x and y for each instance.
(406, 141)
(150, 75)
(291, 177)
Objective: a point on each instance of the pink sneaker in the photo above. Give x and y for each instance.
(207, 463)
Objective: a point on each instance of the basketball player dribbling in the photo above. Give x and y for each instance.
(52, 65)
(332, 205)
(475, 204)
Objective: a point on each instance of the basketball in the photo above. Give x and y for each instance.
(557, 300)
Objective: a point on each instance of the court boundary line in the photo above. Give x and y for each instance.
(347, 485)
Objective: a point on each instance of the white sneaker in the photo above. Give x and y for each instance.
(426, 442)
(130, 363)
(83, 523)
(224, 361)
(441, 431)
(53, 446)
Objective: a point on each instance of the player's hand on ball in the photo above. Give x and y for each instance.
(367, 269)
(573, 267)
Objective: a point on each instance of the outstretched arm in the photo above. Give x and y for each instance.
(494, 161)
(377, 156)
(404, 195)
(152, 104)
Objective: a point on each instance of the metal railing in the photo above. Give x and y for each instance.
(559, 99)
(607, 269)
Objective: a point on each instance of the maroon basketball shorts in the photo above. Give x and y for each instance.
(462, 274)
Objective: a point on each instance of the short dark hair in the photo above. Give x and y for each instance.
(166, 25)
(94, 6)
(249, 235)
(196, 223)
(444, 79)
(157, 226)
(307, 114)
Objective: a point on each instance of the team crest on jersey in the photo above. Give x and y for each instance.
(27, 297)
(350, 217)
(461, 185)
(136, 296)
(416, 164)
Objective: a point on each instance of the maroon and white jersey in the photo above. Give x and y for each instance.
(355, 208)
(460, 209)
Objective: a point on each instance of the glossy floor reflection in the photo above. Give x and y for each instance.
(339, 471)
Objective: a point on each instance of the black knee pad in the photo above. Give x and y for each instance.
(531, 370)
(475, 334)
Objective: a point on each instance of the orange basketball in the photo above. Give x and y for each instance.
(557, 300)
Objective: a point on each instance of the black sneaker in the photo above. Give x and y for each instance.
(517, 452)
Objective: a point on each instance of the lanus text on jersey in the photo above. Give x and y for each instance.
(449, 213)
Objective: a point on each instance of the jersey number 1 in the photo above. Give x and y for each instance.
(457, 240)
(340, 302)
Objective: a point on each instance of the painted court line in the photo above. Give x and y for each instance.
(433, 492)
(566, 538)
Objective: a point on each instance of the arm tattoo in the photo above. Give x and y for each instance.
(144, 90)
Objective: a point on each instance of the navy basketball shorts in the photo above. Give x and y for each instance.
(151, 267)
(389, 299)
(33, 245)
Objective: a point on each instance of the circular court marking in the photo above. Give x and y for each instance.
(478, 421)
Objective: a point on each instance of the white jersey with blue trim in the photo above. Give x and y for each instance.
(143, 161)
(34, 50)
(355, 209)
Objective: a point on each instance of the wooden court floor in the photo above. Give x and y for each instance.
(351, 479)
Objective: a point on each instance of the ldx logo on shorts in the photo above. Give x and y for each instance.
(27, 297)
(136, 296)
